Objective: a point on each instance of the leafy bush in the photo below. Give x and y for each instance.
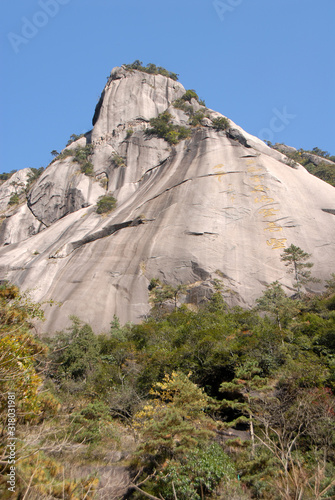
(164, 128)
(81, 156)
(184, 106)
(196, 474)
(64, 154)
(75, 352)
(106, 204)
(87, 168)
(92, 423)
(220, 123)
(129, 133)
(33, 175)
(151, 69)
(82, 153)
(14, 199)
(187, 98)
(196, 119)
(118, 160)
(189, 95)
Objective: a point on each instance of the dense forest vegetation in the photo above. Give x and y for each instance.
(213, 403)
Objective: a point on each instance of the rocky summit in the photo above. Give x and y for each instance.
(206, 202)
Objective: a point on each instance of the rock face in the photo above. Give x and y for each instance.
(219, 205)
(16, 222)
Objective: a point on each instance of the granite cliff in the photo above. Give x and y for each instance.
(219, 204)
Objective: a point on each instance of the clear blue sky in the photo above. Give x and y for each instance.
(249, 59)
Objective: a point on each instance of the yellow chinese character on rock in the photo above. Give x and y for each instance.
(252, 168)
(257, 179)
(275, 243)
(220, 165)
(269, 212)
(273, 227)
(264, 199)
(259, 187)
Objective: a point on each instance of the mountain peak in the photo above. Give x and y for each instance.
(162, 187)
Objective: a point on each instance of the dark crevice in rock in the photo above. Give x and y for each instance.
(199, 271)
(236, 135)
(195, 233)
(188, 180)
(103, 233)
(153, 168)
(328, 210)
(98, 108)
(31, 210)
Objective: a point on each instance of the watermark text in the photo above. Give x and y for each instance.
(223, 7)
(279, 121)
(31, 27)
(11, 442)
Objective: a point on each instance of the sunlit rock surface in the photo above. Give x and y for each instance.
(220, 205)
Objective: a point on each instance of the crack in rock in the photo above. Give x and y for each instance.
(68, 248)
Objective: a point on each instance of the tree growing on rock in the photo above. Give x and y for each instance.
(296, 260)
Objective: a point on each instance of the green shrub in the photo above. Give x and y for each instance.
(118, 160)
(220, 123)
(64, 154)
(33, 175)
(196, 119)
(184, 106)
(75, 353)
(92, 423)
(106, 204)
(151, 69)
(129, 133)
(87, 168)
(187, 97)
(164, 128)
(199, 472)
(14, 199)
(81, 155)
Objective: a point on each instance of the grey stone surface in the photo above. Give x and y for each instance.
(63, 189)
(15, 184)
(217, 206)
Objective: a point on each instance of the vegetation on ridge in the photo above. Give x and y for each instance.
(80, 154)
(323, 170)
(163, 127)
(150, 68)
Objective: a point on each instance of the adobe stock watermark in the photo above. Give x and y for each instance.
(11, 444)
(31, 27)
(224, 7)
(279, 121)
